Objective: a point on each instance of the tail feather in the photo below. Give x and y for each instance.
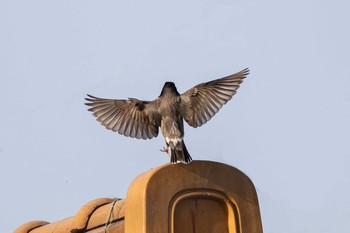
(180, 155)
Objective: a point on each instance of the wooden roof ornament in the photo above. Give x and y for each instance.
(96, 216)
(204, 196)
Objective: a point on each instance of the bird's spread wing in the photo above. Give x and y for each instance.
(132, 118)
(200, 103)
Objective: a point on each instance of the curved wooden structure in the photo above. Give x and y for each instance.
(201, 197)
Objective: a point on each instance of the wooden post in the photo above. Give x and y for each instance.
(201, 197)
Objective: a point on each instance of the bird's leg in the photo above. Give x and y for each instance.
(165, 149)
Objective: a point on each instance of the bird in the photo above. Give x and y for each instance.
(142, 119)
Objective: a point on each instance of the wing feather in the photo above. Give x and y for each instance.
(200, 103)
(130, 117)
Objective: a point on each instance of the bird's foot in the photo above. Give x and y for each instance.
(166, 150)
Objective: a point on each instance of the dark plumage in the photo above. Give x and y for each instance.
(142, 119)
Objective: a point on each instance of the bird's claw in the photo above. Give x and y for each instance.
(166, 150)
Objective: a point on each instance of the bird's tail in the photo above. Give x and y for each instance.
(180, 154)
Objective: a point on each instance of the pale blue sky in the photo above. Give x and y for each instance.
(287, 128)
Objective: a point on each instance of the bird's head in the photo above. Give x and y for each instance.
(169, 87)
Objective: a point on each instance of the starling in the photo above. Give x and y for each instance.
(142, 119)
